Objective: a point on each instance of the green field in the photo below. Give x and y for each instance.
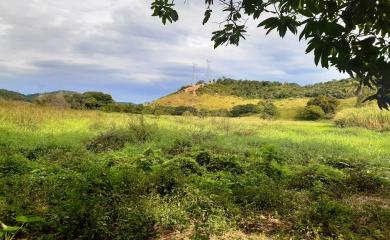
(95, 175)
(289, 108)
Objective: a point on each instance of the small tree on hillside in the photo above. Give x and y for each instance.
(76, 100)
(244, 110)
(313, 113)
(268, 110)
(328, 104)
(95, 100)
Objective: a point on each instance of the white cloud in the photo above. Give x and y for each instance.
(131, 47)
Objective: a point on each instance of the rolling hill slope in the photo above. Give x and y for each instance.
(226, 93)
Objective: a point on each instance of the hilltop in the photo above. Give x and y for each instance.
(226, 93)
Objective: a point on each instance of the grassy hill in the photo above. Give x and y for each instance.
(11, 95)
(227, 93)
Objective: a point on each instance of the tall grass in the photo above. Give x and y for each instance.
(368, 117)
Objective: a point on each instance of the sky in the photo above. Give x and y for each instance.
(115, 46)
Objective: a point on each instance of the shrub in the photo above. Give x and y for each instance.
(147, 160)
(115, 139)
(179, 146)
(76, 100)
(332, 217)
(133, 222)
(328, 104)
(112, 139)
(180, 110)
(308, 177)
(172, 174)
(268, 110)
(312, 113)
(14, 165)
(224, 163)
(203, 158)
(258, 191)
(244, 110)
(361, 180)
(95, 100)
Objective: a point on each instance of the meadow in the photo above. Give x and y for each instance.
(289, 108)
(74, 174)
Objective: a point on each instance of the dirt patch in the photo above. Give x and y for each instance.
(193, 89)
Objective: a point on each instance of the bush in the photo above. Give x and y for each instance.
(179, 146)
(203, 158)
(172, 174)
(76, 100)
(268, 110)
(115, 139)
(14, 165)
(312, 113)
(244, 110)
(95, 100)
(361, 180)
(309, 177)
(180, 110)
(258, 191)
(225, 163)
(328, 104)
(332, 217)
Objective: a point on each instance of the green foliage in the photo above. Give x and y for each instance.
(268, 110)
(328, 104)
(352, 36)
(10, 95)
(164, 10)
(115, 139)
(180, 110)
(224, 163)
(312, 112)
(244, 110)
(317, 175)
(95, 100)
(362, 180)
(276, 90)
(333, 218)
(179, 146)
(76, 100)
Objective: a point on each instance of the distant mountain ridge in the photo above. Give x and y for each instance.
(11, 95)
(36, 95)
(16, 96)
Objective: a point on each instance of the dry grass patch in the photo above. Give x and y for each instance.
(368, 117)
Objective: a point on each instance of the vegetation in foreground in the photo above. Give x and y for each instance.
(92, 175)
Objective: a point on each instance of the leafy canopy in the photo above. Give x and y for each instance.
(351, 35)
